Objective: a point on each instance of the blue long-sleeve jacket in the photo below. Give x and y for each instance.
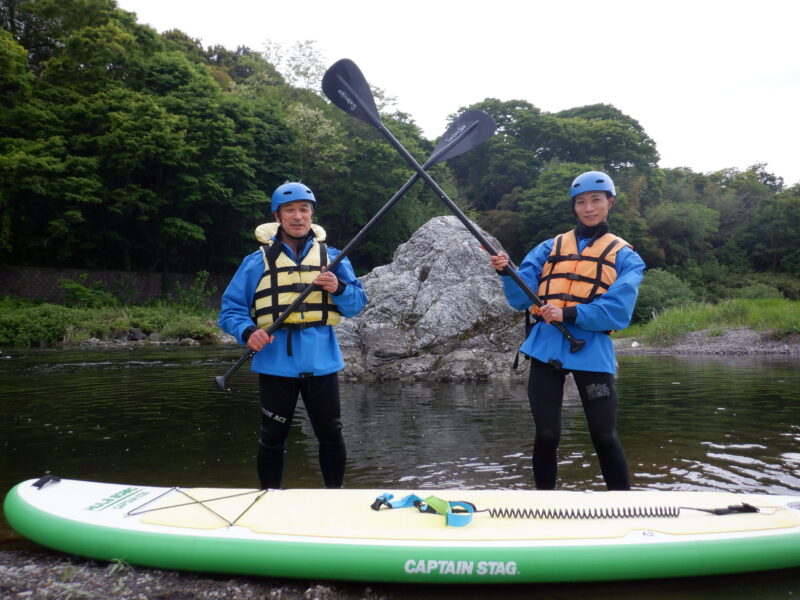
(610, 311)
(315, 350)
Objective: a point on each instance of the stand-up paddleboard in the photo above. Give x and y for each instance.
(445, 536)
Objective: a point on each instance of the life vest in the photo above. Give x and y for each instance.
(283, 280)
(570, 278)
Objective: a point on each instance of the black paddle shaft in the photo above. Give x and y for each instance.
(346, 86)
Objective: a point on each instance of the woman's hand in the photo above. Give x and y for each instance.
(499, 262)
(552, 313)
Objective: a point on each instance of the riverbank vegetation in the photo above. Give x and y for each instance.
(776, 317)
(25, 323)
(127, 149)
(92, 312)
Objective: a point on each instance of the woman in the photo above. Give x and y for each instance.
(588, 279)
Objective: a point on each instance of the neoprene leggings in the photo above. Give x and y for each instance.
(545, 393)
(278, 401)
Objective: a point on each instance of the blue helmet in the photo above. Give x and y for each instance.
(291, 191)
(592, 181)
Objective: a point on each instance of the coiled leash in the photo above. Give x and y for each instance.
(459, 513)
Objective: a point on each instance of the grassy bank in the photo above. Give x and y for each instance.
(24, 323)
(780, 318)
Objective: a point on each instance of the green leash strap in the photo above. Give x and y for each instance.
(456, 513)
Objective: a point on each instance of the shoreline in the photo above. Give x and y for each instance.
(729, 341)
(43, 574)
(733, 341)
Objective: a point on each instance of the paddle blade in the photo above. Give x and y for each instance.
(468, 131)
(345, 86)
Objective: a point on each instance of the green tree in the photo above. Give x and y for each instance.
(529, 141)
(683, 229)
(15, 79)
(302, 64)
(659, 291)
(546, 209)
(772, 240)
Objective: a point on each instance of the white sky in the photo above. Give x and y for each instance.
(716, 83)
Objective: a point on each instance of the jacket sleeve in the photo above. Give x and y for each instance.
(529, 271)
(353, 298)
(234, 315)
(614, 309)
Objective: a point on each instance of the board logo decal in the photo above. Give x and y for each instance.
(461, 567)
(119, 499)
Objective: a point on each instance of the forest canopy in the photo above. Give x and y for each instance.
(123, 148)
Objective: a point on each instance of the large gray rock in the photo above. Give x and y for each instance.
(436, 312)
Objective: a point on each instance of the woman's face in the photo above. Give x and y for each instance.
(592, 207)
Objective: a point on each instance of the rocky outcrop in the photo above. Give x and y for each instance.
(437, 312)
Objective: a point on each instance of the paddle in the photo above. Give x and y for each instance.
(347, 88)
(469, 130)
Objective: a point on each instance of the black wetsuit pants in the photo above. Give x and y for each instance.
(278, 401)
(545, 393)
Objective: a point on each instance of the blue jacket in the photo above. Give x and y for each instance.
(315, 350)
(610, 311)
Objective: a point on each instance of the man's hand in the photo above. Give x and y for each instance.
(327, 281)
(258, 339)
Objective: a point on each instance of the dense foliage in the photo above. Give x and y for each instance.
(124, 148)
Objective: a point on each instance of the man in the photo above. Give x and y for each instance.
(303, 355)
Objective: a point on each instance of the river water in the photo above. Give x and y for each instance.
(154, 416)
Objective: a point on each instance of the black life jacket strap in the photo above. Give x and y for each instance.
(323, 261)
(272, 255)
(600, 262)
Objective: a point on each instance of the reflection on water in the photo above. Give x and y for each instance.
(154, 416)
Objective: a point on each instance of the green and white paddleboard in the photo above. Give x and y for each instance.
(514, 536)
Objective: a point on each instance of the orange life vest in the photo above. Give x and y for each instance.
(570, 278)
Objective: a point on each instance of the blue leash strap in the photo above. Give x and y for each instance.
(404, 502)
(459, 519)
(456, 514)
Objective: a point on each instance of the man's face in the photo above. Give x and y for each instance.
(295, 217)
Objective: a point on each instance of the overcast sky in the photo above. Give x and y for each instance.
(715, 83)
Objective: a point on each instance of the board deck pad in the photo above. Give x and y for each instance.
(336, 534)
(347, 514)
